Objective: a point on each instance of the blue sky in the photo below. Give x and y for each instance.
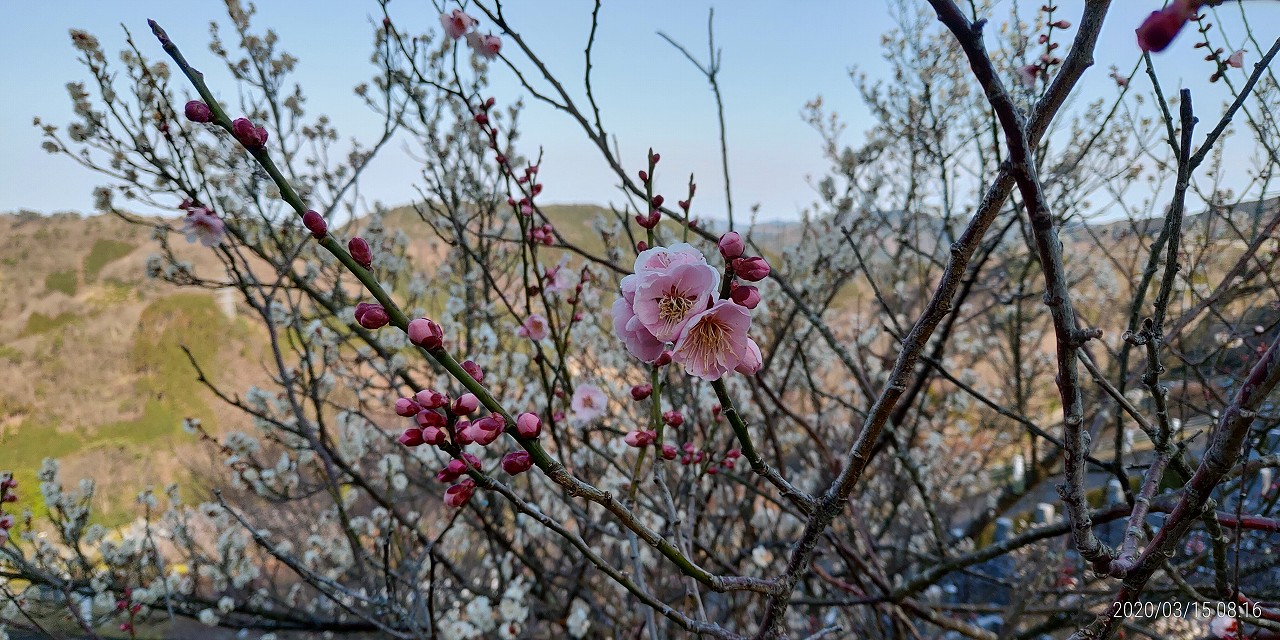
(777, 56)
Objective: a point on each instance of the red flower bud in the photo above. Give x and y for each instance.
(657, 201)
(751, 269)
(517, 462)
(252, 137)
(1161, 27)
(411, 437)
(731, 245)
(429, 418)
(434, 436)
(473, 370)
(640, 438)
(459, 494)
(407, 408)
(197, 111)
(315, 223)
(360, 252)
(528, 425)
(669, 451)
(746, 295)
(371, 316)
(663, 360)
(431, 399)
(426, 334)
(641, 391)
(673, 418)
(466, 404)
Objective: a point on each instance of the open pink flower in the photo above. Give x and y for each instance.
(202, 226)
(639, 342)
(556, 279)
(1236, 60)
(716, 342)
(456, 23)
(588, 403)
(666, 300)
(1029, 74)
(486, 47)
(663, 258)
(534, 327)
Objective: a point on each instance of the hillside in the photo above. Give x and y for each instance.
(91, 361)
(93, 370)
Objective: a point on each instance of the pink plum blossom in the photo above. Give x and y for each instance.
(664, 299)
(1236, 60)
(588, 403)
(556, 279)
(534, 327)
(202, 226)
(486, 46)
(716, 342)
(456, 23)
(1029, 74)
(639, 342)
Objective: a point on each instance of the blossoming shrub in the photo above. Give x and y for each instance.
(483, 421)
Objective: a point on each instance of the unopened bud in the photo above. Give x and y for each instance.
(360, 252)
(197, 111)
(315, 223)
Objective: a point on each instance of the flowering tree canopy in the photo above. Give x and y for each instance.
(1002, 379)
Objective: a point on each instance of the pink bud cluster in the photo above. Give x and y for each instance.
(458, 24)
(542, 234)
(673, 297)
(442, 421)
(650, 220)
(1040, 68)
(688, 453)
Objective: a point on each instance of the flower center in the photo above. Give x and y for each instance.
(673, 306)
(706, 340)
